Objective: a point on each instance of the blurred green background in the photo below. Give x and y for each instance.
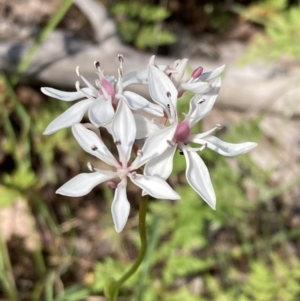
(55, 248)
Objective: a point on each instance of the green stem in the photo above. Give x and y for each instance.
(113, 287)
(143, 237)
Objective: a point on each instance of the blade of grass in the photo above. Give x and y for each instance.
(73, 293)
(65, 208)
(39, 261)
(45, 213)
(8, 128)
(6, 274)
(38, 289)
(9, 292)
(23, 145)
(49, 287)
(50, 26)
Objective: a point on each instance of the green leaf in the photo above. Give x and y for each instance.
(151, 13)
(151, 35)
(8, 196)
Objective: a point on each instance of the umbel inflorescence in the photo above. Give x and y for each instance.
(147, 133)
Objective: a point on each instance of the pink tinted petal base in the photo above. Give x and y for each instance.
(109, 88)
(182, 132)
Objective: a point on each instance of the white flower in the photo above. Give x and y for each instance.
(123, 132)
(162, 91)
(198, 83)
(100, 102)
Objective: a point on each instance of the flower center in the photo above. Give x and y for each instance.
(123, 172)
(182, 132)
(109, 88)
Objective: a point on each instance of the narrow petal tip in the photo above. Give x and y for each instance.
(213, 206)
(252, 145)
(47, 132)
(152, 60)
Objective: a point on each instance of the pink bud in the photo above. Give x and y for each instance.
(182, 132)
(112, 185)
(197, 72)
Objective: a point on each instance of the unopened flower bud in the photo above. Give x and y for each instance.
(112, 185)
(197, 72)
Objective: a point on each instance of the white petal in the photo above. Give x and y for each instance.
(72, 115)
(91, 143)
(196, 87)
(163, 67)
(155, 186)
(204, 134)
(180, 68)
(83, 183)
(198, 109)
(156, 144)
(101, 111)
(198, 177)
(162, 165)
(224, 148)
(159, 87)
(139, 103)
(124, 131)
(120, 207)
(206, 76)
(145, 127)
(135, 77)
(90, 86)
(66, 96)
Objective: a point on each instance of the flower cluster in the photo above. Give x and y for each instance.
(146, 133)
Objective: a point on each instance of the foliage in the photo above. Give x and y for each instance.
(282, 27)
(141, 24)
(22, 142)
(261, 12)
(276, 280)
(21, 179)
(216, 17)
